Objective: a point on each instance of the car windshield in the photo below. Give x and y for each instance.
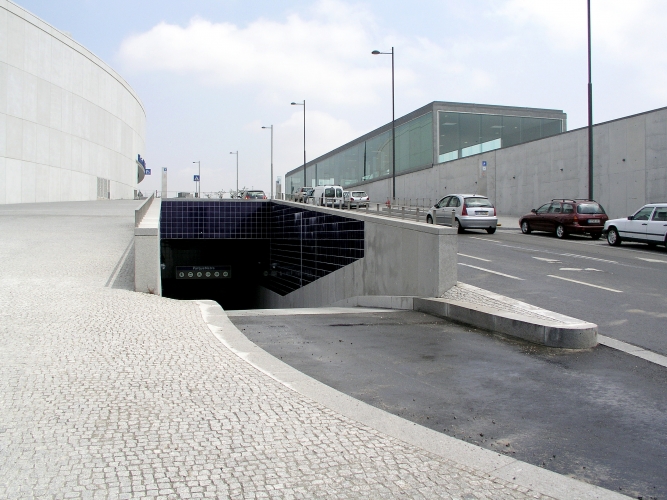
(589, 208)
(477, 202)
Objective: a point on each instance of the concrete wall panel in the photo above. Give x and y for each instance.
(525, 176)
(64, 113)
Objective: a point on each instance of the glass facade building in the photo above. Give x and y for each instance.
(436, 133)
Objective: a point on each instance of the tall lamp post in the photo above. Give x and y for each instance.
(304, 137)
(271, 127)
(199, 181)
(393, 122)
(237, 170)
(590, 111)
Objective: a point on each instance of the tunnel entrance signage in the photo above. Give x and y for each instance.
(203, 272)
(148, 171)
(196, 178)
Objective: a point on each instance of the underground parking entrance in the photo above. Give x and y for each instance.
(229, 250)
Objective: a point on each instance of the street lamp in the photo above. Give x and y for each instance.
(304, 137)
(590, 111)
(199, 181)
(393, 122)
(237, 170)
(271, 127)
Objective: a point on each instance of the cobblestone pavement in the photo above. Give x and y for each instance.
(107, 393)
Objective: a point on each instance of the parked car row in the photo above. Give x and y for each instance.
(333, 196)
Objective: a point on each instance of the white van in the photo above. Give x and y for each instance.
(328, 196)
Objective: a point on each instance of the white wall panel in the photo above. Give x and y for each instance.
(66, 118)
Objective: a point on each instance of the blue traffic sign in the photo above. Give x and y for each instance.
(148, 171)
(484, 163)
(196, 178)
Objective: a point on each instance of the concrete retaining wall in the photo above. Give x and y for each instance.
(630, 170)
(147, 272)
(402, 258)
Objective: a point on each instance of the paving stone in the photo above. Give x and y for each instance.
(107, 393)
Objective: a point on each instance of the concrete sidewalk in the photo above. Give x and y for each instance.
(108, 393)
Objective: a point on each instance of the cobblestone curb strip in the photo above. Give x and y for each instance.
(504, 476)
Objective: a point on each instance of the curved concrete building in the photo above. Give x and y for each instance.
(70, 127)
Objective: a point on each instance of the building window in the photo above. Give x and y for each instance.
(103, 189)
(467, 134)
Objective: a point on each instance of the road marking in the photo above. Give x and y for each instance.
(471, 257)
(483, 239)
(587, 284)
(587, 257)
(550, 261)
(490, 271)
(633, 350)
(653, 260)
(579, 269)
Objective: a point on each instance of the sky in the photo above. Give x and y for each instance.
(211, 73)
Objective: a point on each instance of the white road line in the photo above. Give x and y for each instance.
(550, 261)
(490, 271)
(471, 257)
(483, 239)
(653, 260)
(579, 269)
(587, 257)
(587, 284)
(633, 350)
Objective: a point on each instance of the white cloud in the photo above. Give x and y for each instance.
(329, 50)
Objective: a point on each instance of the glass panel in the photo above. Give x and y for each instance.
(414, 143)
(378, 156)
(551, 127)
(477, 202)
(589, 208)
(554, 208)
(470, 132)
(311, 176)
(492, 126)
(531, 129)
(643, 214)
(511, 131)
(448, 130)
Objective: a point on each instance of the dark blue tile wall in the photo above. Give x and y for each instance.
(304, 245)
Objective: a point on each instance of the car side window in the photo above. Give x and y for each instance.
(543, 209)
(643, 214)
(568, 208)
(554, 208)
(660, 214)
(443, 203)
(454, 202)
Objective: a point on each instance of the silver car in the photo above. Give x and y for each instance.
(471, 211)
(647, 225)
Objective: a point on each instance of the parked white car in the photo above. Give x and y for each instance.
(328, 196)
(647, 225)
(356, 199)
(471, 211)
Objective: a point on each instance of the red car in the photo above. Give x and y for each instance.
(565, 217)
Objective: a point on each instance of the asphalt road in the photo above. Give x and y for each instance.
(599, 415)
(621, 289)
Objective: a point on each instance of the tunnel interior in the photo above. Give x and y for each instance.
(227, 250)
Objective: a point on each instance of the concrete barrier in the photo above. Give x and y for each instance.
(147, 272)
(401, 258)
(517, 319)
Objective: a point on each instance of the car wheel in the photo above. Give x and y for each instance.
(525, 227)
(596, 236)
(613, 238)
(560, 232)
(457, 225)
(429, 219)
(490, 230)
